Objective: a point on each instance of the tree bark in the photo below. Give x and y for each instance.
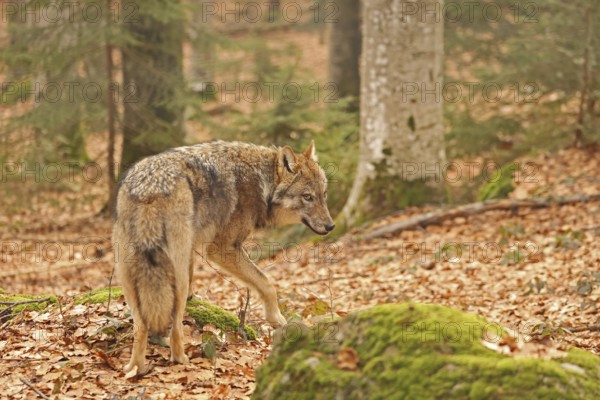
(400, 107)
(153, 81)
(345, 43)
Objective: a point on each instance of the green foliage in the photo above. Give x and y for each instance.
(510, 231)
(49, 63)
(55, 63)
(569, 240)
(499, 185)
(416, 351)
(537, 52)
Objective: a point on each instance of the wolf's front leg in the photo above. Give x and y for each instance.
(238, 263)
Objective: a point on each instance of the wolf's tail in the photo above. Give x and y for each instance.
(147, 274)
(153, 279)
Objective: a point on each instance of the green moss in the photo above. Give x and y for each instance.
(207, 314)
(202, 312)
(99, 296)
(416, 351)
(15, 298)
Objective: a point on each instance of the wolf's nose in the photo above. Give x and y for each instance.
(329, 227)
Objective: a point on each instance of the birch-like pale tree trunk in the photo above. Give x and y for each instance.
(402, 137)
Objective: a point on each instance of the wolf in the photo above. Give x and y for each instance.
(208, 197)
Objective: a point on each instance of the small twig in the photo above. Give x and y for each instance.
(60, 308)
(139, 386)
(26, 382)
(243, 313)
(330, 293)
(110, 290)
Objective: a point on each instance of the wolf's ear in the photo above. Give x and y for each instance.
(311, 151)
(287, 159)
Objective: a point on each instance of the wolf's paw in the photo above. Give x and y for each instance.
(180, 359)
(136, 368)
(276, 320)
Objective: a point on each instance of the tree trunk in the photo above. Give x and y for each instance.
(587, 88)
(345, 47)
(111, 117)
(402, 137)
(153, 80)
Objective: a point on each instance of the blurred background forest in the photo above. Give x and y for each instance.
(111, 82)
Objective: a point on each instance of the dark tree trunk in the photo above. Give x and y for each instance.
(345, 43)
(153, 81)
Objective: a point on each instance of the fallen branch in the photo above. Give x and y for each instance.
(437, 217)
(36, 390)
(334, 278)
(52, 268)
(591, 328)
(17, 303)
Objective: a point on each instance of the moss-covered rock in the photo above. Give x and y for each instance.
(99, 295)
(208, 314)
(415, 351)
(16, 298)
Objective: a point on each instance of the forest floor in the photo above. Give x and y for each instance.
(533, 271)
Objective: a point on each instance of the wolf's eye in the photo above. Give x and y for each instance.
(307, 197)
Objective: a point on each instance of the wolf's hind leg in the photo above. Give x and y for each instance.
(179, 235)
(140, 342)
(177, 347)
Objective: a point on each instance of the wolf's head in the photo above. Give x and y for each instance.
(301, 191)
